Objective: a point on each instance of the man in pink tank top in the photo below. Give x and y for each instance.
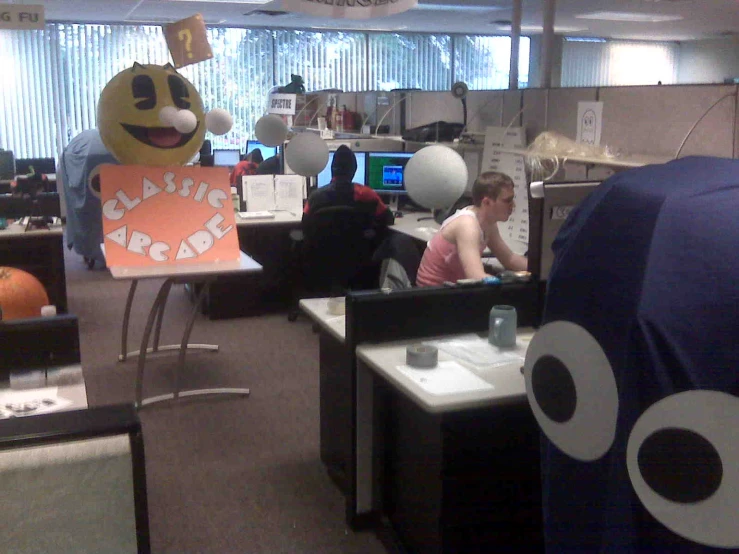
(455, 252)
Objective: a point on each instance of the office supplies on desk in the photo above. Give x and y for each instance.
(257, 215)
(421, 355)
(446, 378)
(479, 353)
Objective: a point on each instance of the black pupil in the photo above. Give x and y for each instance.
(179, 92)
(143, 90)
(554, 389)
(680, 465)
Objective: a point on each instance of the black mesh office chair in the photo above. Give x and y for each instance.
(334, 253)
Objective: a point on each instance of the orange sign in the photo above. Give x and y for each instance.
(166, 215)
(188, 41)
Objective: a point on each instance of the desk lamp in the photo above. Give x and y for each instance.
(435, 177)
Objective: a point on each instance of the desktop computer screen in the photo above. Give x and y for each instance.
(7, 165)
(267, 151)
(226, 158)
(324, 177)
(385, 171)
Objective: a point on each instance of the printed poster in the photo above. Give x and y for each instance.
(167, 215)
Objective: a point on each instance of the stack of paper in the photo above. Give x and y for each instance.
(479, 353)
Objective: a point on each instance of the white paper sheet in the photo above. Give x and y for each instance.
(289, 193)
(447, 377)
(589, 122)
(258, 192)
(480, 354)
(30, 402)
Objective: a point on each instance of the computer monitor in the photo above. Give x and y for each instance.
(7, 165)
(549, 206)
(44, 166)
(324, 177)
(385, 171)
(226, 158)
(267, 151)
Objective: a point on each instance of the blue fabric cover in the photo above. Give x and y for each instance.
(649, 265)
(83, 154)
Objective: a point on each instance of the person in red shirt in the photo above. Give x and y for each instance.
(247, 166)
(341, 191)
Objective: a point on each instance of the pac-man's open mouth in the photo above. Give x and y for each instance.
(159, 137)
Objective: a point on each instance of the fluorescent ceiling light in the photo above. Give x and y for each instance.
(630, 16)
(540, 29)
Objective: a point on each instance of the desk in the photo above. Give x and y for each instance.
(268, 242)
(335, 379)
(452, 473)
(202, 273)
(27, 400)
(40, 252)
(410, 225)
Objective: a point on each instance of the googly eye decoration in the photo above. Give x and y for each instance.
(683, 462)
(572, 390)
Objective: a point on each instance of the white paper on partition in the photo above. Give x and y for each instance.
(515, 231)
(258, 192)
(447, 377)
(479, 353)
(589, 122)
(14, 403)
(289, 193)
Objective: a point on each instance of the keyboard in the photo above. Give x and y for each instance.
(256, 215)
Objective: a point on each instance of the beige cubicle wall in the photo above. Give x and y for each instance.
(655, 120)
(641, 121)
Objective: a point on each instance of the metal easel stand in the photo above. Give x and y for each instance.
(157, 312)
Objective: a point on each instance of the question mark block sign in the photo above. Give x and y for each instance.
(188, 41)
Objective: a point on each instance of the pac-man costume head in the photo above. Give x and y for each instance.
(151, 115)
(633, 378)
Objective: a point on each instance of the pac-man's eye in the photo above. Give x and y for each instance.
(683, 462)
(180, 94)
(144, 92)
(572, 390)
(93, 181)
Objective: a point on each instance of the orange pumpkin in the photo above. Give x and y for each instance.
(21, 294)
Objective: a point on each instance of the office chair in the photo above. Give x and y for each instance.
(334, 253)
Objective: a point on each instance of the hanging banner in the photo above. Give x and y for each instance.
(349, 9)
(167, 215)
(21, 16)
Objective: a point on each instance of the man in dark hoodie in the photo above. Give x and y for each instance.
(341, 191)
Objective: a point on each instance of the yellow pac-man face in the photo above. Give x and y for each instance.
(129, 116)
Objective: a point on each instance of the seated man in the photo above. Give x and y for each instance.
(247, 166)
(341, 191)
(455, 252)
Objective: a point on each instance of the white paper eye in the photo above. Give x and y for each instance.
(683, 462)
(572, 390)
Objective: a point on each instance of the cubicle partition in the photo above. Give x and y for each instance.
(39, 342)
(373, 317)
(450, 477)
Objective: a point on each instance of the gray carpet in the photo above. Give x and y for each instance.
(225, 475)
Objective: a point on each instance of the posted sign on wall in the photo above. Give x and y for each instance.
(21, 16)
(160, 215)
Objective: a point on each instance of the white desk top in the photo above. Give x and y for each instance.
(421, 230)
(16, 230)
(244, 265)
(69, 397)
(280, 218)
(317, 310)
(507, 380)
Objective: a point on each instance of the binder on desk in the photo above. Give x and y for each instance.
(273, 193)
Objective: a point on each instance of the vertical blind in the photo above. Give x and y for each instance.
(53, 78)
(618, 63)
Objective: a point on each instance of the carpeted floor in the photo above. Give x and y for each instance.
(225, 475)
